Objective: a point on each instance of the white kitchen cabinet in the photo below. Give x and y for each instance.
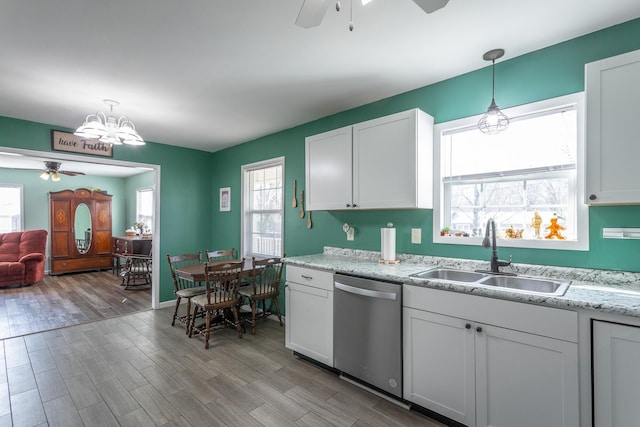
(439, 371)
(309, 308)
(616, 378)
(385, 163)
(612, 91)
(328, 170)
(486, 362)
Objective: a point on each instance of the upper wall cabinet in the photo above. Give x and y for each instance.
(385, 163)
(613, 129)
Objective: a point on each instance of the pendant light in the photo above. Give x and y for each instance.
(493, 121)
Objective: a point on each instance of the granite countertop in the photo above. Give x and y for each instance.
(601, 290)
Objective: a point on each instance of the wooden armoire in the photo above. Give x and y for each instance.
(80, 250)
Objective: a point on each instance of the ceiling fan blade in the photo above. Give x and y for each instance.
(311, 13)
(431, 6)
(71, 173)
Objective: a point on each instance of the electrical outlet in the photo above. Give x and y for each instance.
(416, 236)
(351, 233)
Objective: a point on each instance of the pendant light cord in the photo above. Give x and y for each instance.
(493, 79)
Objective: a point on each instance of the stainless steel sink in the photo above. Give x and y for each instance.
(450, 274)
(526, 284)
(522, 284)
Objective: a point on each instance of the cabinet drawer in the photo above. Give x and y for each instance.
(80, 264)
(546, 321)
(310, 277)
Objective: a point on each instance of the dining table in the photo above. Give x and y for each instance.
(195, 272)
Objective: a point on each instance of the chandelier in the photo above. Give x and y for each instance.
(108, 129)
(493, 121)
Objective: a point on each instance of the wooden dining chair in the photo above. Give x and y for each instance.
(183, 288)
(222, 255)
(266, 278)
(221, 296)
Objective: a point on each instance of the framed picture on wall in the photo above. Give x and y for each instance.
(65, 141)
(225, 199)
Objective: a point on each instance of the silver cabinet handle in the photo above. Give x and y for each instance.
(307, 277)
(366, 292)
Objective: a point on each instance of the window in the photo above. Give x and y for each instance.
(523, 178)
(262, 207)
(144, 207)
(10, 208)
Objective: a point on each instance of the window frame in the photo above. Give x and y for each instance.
(151, 189)
(245, 169)
(20, 188)
(528, 110)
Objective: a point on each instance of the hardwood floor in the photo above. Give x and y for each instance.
(138, 370)
(66, 300)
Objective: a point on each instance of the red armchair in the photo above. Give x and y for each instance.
(22, 257)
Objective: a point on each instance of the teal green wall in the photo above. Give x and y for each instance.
(185, 192)
(546, 73)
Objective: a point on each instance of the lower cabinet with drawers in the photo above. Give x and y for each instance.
(309, 305)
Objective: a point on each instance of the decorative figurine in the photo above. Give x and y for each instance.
(536, 222)
(554, 230)
(512, 233)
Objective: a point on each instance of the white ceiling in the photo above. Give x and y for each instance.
(209, 74)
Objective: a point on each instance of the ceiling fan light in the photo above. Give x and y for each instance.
(55, 177)
(45, 175)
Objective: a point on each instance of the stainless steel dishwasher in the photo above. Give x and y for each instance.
(367, 331)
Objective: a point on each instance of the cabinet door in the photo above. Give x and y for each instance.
(309, 325)
(439, 370)
(328, 169)
(616, 378)
(525, 380)
(388, 154)
(102, 227)
(612, 93)
(61, 225)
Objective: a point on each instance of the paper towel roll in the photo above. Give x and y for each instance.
(388, 243)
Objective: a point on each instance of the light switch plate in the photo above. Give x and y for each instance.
(416, 236)
(351, 233)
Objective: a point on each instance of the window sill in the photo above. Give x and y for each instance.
(566, 245)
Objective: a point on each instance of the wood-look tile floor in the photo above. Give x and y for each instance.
(65, 300)
(138, 370)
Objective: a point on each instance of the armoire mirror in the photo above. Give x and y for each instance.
(82, 228)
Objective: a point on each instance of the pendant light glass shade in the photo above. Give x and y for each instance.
(493, 121)
(55, 176)
(108, 129)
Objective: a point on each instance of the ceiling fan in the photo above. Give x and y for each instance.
(312, 11)
(52, 169)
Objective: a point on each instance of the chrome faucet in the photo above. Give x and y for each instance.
(486, 243)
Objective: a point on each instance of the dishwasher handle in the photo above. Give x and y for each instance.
(366, 292)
